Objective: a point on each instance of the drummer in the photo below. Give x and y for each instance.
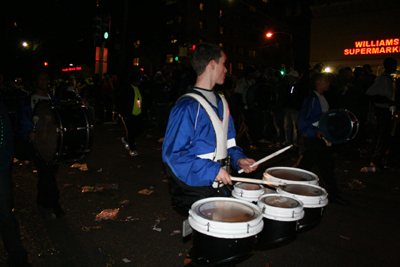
(194, 155)
(313, 148)
(48, 193)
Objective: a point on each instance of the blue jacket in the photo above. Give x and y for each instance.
(190, 142)
(24, 123)
(310, 113)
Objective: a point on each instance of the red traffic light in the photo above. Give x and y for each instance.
(45, 64)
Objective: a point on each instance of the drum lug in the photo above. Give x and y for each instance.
(241, 193)
(248, 228)
(292, 214)
(263, 209)
(208, 227)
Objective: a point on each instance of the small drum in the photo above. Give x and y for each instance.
(314, 199)
(290, 175)
(338, 125)
(63, 131)
(248, 192)
(224, 229)
(281, 215)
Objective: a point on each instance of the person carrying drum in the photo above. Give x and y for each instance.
(200, 136)
(382, 94)
(314, 149)
(48, 192)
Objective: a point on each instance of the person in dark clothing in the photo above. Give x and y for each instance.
(382, 94)
(48, 192)
(17, 255)
(314, 150)
(129, 106)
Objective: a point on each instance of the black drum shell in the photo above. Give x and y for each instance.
(312, 217)
(277, 231)
(210, 251)
(71, 134)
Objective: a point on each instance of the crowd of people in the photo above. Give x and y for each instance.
(265, 107)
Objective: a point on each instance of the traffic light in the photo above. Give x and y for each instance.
(176, 58)
(106, 25)
(102, 25)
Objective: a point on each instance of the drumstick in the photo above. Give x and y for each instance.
(268, 157)
(255, 181)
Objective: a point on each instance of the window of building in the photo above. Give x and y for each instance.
(136, 61)
(221, 45)
(136, 43)
(221, 29)
(201, 24)
(240, 50)
(221, 13)
(265, 1)
(201, 6)
(252, 53)
(179, 19)
(170, 58)
(240, 66)
(170, 2)
(171, 21)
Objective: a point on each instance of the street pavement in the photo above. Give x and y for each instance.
(365, 233)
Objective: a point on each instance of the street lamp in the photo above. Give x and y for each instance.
(270, 34)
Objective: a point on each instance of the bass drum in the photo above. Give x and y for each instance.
(224, 229)
(63, 131)
(261, 97)
(338, 125)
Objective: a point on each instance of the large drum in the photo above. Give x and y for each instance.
(247, 191)
(314, 199)
(281, 215)
(289, 175)
(338, 125)
(224, 229)
(63, 131)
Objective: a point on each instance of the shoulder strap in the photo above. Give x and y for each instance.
(220, 128)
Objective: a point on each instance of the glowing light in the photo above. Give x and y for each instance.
(24, 44)
(269, 34)
(327, 69)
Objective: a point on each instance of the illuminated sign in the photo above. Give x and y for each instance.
(385, 46)
(72, 69)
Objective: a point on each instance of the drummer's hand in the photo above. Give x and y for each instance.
(319, 134)
(32, 136)
(245, 164)
(223, 177)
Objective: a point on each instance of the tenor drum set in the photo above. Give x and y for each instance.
(226, 229)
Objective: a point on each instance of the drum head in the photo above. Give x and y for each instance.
(310, 195)
(46, 139)
(280, 207)
(290, 175)
(225, 217)
(338, 126)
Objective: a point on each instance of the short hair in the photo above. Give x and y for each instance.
(203, 54)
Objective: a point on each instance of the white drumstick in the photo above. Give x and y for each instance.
(255, 181)
(268, 157)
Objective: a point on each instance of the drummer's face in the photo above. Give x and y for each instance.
(220, 69)
(323, 84)
(42, 82)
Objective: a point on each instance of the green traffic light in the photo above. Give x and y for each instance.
(282, 72)
(106, 35)
(176, 58)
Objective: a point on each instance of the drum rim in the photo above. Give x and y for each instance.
(308, 201)
(269, 177)
(279, 213)
(225, 229)
(355, 124)
(251, 195)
